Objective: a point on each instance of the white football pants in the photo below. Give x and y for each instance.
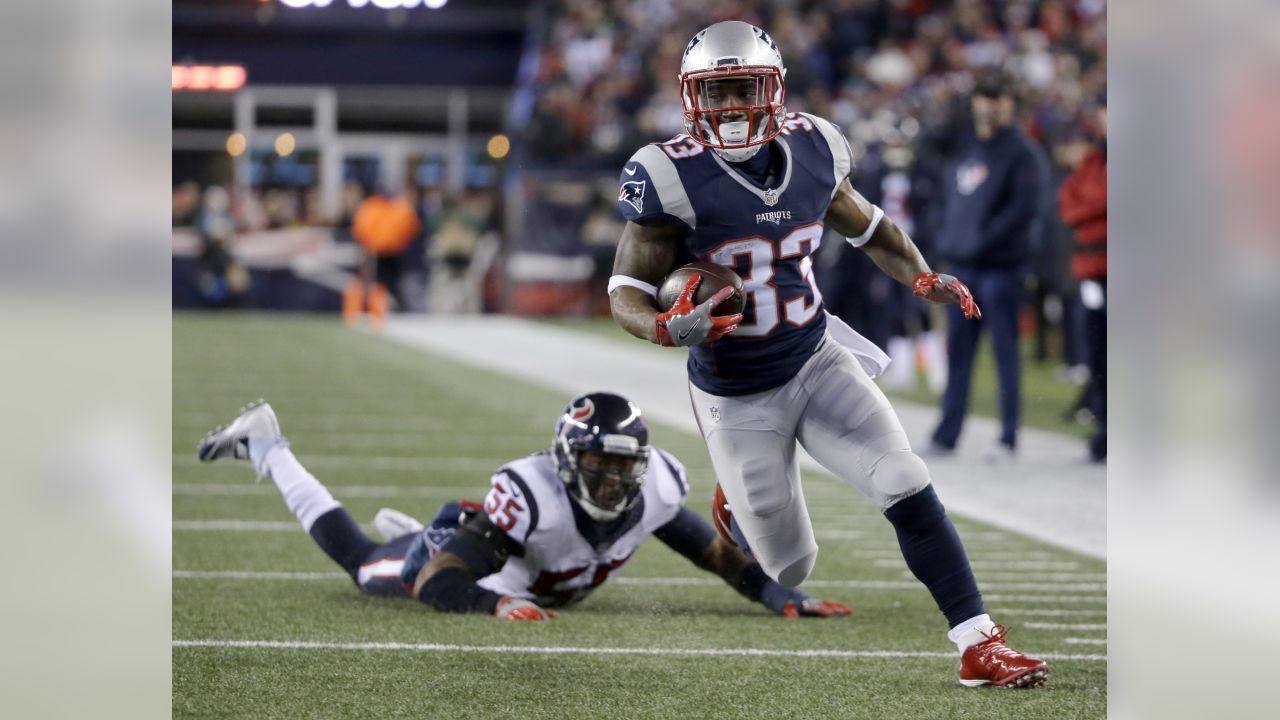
(840, 417)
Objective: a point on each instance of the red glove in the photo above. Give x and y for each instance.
(792, 602)
(813, 607)
(940, 288)
(510, 608)
(686, 324)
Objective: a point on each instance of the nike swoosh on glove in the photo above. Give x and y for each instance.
(943, 288)
(686, 324)
(512, 608)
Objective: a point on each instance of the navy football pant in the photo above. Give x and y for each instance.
(999, 295)
(374, 567)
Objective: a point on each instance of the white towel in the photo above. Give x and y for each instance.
(870, 357)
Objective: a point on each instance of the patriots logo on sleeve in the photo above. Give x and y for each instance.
(633, 193)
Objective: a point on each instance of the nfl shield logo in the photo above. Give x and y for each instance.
(771, 197)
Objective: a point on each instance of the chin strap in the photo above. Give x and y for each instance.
(730, 156)
(595, 512)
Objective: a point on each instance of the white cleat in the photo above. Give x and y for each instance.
(256, 422)
(391, 524)
(1000, 454)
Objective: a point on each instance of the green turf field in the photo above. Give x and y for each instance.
(384, 425)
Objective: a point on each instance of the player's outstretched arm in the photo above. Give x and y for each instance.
(448, 581)
(691, 536)
(646, 254)
(853, 216)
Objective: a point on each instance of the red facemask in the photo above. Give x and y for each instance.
(706, 105)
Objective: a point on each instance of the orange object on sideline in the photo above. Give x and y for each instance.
(378, 305)
(353, 301)
(385, 226)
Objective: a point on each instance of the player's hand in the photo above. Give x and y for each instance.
(813, 607)
(942, 288)
(792, 603)
(688, 324)
(512, 608)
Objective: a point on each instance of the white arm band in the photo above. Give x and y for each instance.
(876, 215)
(618, 281)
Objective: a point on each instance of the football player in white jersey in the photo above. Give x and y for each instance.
(752, 187)
(554, 526)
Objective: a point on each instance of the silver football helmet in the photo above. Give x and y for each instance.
(731, 84)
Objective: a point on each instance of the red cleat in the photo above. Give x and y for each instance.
(991, 662)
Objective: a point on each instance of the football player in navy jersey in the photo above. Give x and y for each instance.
(751, 187)
(554, 526)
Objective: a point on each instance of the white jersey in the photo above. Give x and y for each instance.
(567, 555)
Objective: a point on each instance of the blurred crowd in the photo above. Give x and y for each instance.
(895, 75)
(889, 72)
(416, 246)
(272, 208)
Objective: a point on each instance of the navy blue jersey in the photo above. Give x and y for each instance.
(766, 234)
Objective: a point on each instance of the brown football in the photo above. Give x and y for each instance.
(714, 277)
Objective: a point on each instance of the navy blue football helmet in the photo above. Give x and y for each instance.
(601, 449)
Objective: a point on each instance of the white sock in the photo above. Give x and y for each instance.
(302, 492)
(258, 449)
(971, 632)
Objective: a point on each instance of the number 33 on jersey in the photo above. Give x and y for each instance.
(767, 234)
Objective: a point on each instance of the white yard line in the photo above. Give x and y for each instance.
(1064, 626)
(568, 650)
(370, 463)
(1034, 577)
(237, 526)
(896, 554)
(1023, 565)
(1082, 599)
(256, 575)
(415, 441)
(475, 440)
(269, 575)
(1084, 641)
(874, 584)
(1001, 564)
(1028, 576)
(357, 423)
(267, 489)
(1046, 612)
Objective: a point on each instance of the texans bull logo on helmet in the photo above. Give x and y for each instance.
(583, 411)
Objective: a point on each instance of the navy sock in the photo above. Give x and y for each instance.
(935, 555)
(342, 539)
